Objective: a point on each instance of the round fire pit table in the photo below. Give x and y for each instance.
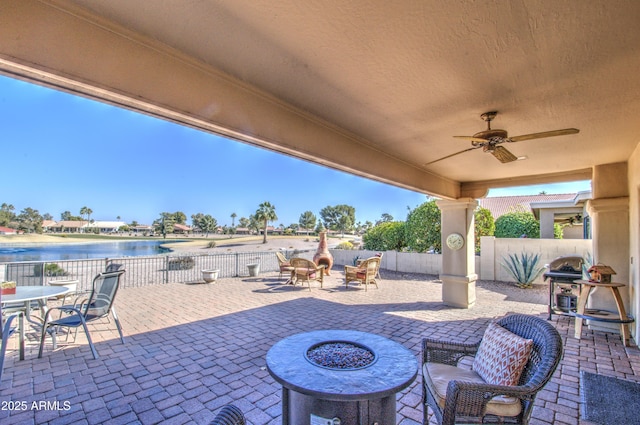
(340, 377)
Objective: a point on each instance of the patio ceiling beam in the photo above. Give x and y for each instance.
(479, 189)
(57, 44)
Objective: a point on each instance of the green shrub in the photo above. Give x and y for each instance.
(387, 236)
(181, 263)
(211, 244)
(484, 225)
(524, 269)
(423, 228)
(345, 245)
(558, 231)
(50, 269)
(517, 225)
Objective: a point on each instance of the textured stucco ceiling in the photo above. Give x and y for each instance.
(404, 77)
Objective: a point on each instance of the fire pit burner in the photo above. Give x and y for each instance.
(341, 355)
(343, 389)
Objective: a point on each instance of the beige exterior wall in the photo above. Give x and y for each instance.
(487, 265)
(572, 232)
(495, 250)
(634, 239)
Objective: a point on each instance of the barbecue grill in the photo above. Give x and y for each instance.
(562, 272)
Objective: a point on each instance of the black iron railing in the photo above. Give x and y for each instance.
(142, 271)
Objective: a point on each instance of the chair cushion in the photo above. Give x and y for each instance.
(310, 273)
(502, 356)
(360, 274)
(437, 377)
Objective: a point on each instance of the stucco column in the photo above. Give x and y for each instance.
(610, 230)
(458, 266)
(609, 212)
(546, 224)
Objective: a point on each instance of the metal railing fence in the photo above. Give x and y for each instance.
(145, 270)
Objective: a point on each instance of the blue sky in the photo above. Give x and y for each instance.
(61, 152)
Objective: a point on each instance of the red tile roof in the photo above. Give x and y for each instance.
(501, 205)
(7, 230)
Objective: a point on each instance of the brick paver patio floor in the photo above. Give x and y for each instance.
(191, 349)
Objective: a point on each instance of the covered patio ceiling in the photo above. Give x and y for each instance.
(377, 89)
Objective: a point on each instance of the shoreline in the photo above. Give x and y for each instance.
(235, 244)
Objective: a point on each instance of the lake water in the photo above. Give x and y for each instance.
(75, 251)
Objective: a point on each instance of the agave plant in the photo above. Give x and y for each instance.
(524, 268)
(586, 265)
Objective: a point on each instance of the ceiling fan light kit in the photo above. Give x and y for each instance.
(489, 140)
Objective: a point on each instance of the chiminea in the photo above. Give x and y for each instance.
(322, 255)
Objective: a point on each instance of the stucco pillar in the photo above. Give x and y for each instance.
(610, 232)
(609, 212)
(546, 224)
(458, 266)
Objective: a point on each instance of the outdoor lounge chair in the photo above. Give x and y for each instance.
(365, 272)
(492, 391)
(97, 305)
(306, 271)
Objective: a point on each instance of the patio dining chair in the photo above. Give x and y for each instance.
(97, 305)
(515, 359)
(306, 271)
(113, 267)
(6, 330)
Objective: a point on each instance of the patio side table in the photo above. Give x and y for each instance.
(620, 316)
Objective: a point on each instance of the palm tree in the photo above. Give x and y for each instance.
(233, 219)
(266, 213)
(83, 211)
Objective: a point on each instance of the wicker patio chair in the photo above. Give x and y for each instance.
(460, 395)
(379, 254)
(284, 265)
(229, 415)
(306, 271)
(364, 273)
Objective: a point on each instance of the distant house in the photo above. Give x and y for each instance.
(47, 225)
(106, 226)
(68, 226)
(242, 231)
(7, 231)
(142, 228)
(181, 229)
(567, 209)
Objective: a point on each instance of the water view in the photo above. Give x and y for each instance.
(80, 251)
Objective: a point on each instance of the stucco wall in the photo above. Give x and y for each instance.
(494, 251)
(487, 265)
(634, 238)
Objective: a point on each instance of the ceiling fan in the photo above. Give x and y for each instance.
(491, 139)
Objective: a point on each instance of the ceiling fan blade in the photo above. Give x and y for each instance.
(503, 155)
(553, 133)
(453, 154)
(473, 139)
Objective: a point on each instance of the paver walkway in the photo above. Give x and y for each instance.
(191, 349)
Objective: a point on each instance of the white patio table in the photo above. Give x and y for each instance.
(24, 295)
